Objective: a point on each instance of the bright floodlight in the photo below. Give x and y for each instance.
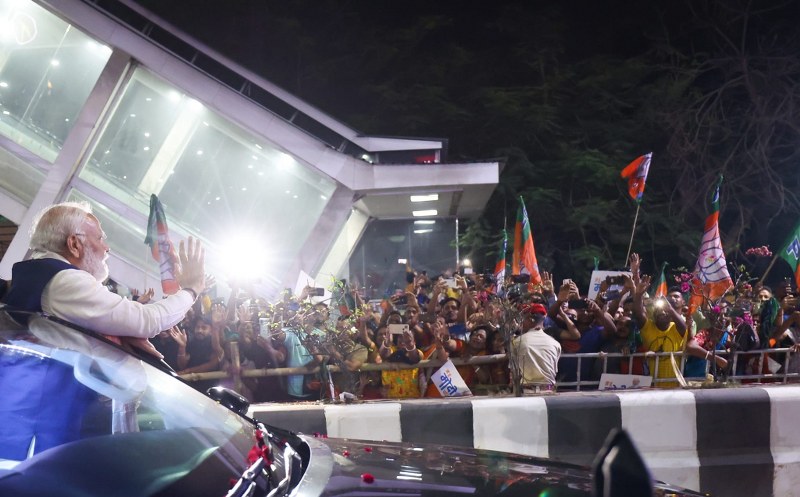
(402, 261)
(466, 263)
(242, 258)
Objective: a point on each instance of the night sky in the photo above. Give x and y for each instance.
(325, 51)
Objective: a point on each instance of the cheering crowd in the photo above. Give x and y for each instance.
(537, 334)
(533, 330)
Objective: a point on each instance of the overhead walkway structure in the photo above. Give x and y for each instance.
(105, 102)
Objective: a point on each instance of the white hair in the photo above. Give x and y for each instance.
(54, 224)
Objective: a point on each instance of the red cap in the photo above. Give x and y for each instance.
(534, 309)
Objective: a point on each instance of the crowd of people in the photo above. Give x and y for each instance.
(536, 332)
(536, 328)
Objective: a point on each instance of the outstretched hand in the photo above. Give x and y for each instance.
(636, 264)
(191, 271)
(179, 336)
(643, 285)
(142, 344)
(143, 298)
(547, 283)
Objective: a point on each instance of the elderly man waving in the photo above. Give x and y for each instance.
(64, 278)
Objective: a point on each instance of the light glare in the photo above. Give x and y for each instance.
(243, 257)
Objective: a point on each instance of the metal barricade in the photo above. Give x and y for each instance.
(758, 362)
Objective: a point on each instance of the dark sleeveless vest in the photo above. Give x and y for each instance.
(43, 403)
(28, 279)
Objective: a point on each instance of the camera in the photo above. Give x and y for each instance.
(578, 304)
(317, 292)
(521, 278)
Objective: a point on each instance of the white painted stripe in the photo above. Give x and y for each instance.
(662, 424)
(272, 407)
(516, 425)
(784, 438)
(379, 421)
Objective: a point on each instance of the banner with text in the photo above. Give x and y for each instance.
(449, 382)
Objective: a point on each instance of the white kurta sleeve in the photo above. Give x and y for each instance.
(78, 297)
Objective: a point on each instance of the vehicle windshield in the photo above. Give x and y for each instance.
(69, 396)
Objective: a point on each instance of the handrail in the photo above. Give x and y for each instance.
(784, 376)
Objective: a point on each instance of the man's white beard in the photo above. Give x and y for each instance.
(95, 266)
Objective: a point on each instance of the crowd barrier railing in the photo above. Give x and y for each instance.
(762, 366)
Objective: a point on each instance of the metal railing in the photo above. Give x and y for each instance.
(757, 360)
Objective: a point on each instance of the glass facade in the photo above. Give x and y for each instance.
(248, 200)
(18, 179)
(47, 71)
(215, 180)
(427, 247)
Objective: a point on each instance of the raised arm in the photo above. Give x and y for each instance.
(603, 318)
(638, 299)
(675, 316)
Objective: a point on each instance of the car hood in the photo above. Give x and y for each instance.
(355, 467)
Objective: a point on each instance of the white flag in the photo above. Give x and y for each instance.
(449, 381)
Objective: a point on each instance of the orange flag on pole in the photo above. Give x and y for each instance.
(524, 258)
(636, 173)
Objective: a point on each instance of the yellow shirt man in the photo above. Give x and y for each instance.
(656, 340)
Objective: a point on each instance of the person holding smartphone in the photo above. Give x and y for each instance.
(594, 325)
(665, 331)
(399, 348)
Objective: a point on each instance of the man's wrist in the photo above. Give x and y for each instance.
(191, 291)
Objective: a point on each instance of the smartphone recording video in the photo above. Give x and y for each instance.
(263, 328)
(578, 304)
(397, 329)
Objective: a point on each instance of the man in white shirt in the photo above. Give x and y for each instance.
(536, 352)
(64, 277)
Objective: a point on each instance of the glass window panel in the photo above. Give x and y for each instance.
(20, 180)
(427, 247)
(215, 179)
(47, 70)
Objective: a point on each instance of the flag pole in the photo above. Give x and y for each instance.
(457, 255)
(766, 271)
(633, 231)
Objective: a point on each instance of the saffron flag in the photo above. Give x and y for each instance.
(161, 247)
(500, 265)
(711, 279)
(636, 174)
(791, 254)
(524, 257)
(661, 284)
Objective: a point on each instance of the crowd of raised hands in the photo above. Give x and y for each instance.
(462, 316)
